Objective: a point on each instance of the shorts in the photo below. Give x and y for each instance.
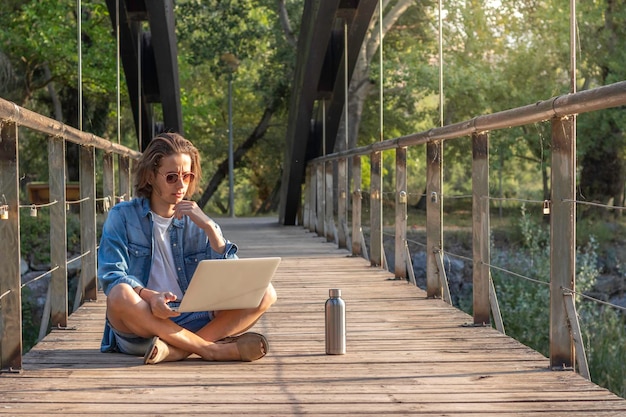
(132, 344)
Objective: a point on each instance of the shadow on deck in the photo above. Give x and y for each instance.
(407, 355)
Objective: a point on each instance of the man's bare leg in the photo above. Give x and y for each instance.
(128, 313)
(232, 322)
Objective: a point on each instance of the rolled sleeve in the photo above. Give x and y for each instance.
(113, 254)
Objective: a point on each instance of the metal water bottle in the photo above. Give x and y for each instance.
(335, 323)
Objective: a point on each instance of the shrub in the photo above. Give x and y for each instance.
(524, 304)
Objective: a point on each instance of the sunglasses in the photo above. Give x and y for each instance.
(172, 177)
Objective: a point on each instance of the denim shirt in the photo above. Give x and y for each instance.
(126, 250)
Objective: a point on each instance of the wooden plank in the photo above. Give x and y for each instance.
(406, 355)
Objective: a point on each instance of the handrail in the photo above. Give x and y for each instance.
(11, 112)
(326, 186)
(599, 98)
(12, 118)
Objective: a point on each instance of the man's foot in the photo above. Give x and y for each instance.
(248, 347)
(157, 352)
(251, 346)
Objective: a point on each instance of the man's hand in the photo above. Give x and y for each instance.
(158, 304)
(194, 212)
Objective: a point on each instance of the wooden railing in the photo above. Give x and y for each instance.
(326, 193)
(12, 119)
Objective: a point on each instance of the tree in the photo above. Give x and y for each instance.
(40, 64)
(602, 135)
(262, 39)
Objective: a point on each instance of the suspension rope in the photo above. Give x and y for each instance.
(589, 203)
(441, 101)
(606, 303)
(380, 69)
(345, 81)
(117, 68)
(572, 41)
(80, 65)
(139, 130)
(324, 126)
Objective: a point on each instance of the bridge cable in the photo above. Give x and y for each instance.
(345, 81)
(380, 69)
(139, 130)
(441, 102)
(80, 65)
(117, 68)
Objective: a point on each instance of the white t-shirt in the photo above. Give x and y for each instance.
(163, 271)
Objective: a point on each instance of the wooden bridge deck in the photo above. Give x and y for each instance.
(407, 355)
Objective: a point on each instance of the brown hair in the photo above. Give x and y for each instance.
(163, 145)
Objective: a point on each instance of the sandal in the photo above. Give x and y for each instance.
(157, 352)
(248, 345)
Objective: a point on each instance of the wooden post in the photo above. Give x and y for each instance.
(10, 280)
(313, 198)
(58, 232)
(357, 250)
(307, 198)
(329, 205)
(124, 174)
(88, 222)
(574, 325)
(376, 210)
(434, 216)
(319, 221)
(562, 239)
(400, 264)
(480, 227)
(342, 203)
(108, 178)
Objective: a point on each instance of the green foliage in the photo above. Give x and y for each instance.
(30, 324)
(35, 236)
(604, 333)
(252, 33)
(36, 35)
(525, 304)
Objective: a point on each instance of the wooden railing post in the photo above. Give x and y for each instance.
(357, 250)
(329, 205)
(124, 174)
(342, 203)
(562, 239)
(88, 279)
(307, 198)
(108, 179)
(434, 216)
(376, 210)
(480, 227)
(58, 232)
(313, 198)
(10, 282)
(319, 195)
(400, 261)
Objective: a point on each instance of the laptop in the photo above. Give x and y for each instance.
(228, 284)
